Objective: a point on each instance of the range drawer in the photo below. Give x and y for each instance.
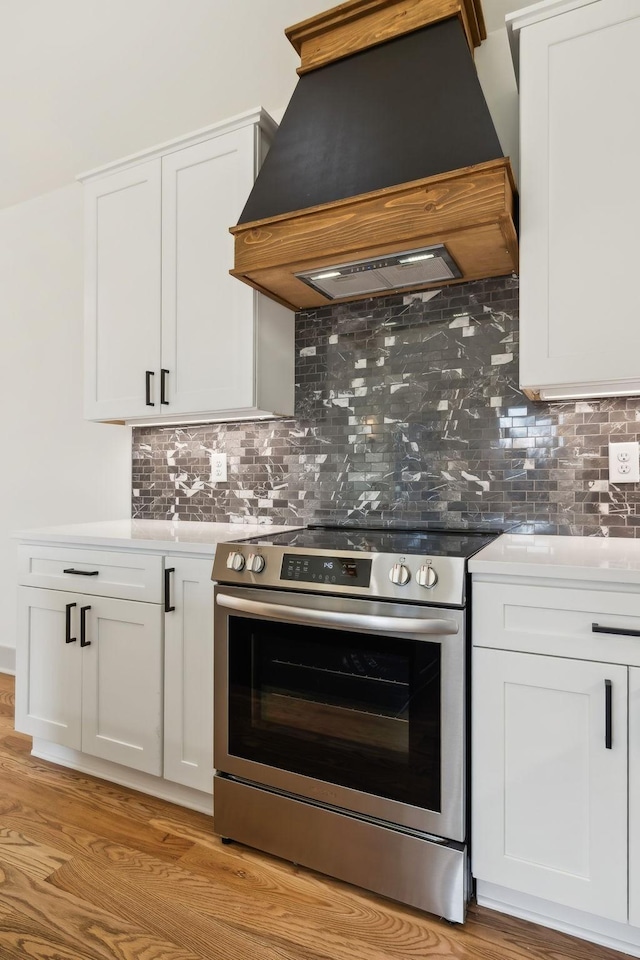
(557, 621)
(127, 576)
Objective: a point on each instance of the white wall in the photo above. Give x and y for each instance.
(94, 80)
(498, 81)
(56, 467)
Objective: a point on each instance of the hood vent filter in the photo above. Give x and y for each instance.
(377, 274)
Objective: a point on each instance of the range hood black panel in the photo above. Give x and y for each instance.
(407, 109)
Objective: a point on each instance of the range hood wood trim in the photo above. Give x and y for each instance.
(481, 250)
(360, 24)
(474, 202)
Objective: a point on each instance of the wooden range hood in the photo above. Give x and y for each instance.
(387, 148)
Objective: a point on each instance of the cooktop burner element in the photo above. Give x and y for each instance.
(416, 566)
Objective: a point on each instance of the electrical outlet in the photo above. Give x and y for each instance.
(218, 468)
(624, 462)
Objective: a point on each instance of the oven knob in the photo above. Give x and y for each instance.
(255, 563)
(235, 561)
(426, 576)
(399, 574)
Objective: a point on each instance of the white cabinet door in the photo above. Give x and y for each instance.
(549, 798)
(188, 678)
(48, 669)
(122, 682)
(122, 292)
(580, 200)
(207, 316)
(634, 796)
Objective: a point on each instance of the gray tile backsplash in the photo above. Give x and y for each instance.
(408, 412)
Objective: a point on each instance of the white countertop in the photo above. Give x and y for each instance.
(193, 536)
(603, 559)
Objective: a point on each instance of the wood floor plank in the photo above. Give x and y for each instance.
(171, 914)
(35, 859)
(204, 835)
(6, 726)
(22, 937)
(7, 685)
(73, 805)
(66, 836)
(82, 924)
(107, 796)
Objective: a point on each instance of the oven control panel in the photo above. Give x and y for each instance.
(410, 577)
(342, 571)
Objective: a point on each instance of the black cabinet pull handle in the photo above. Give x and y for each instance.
(82, 573)
(167, 590)
(163, 386)
(83, 627)
(608, 719)
(596, 628)
(67, 633)
(147, 389)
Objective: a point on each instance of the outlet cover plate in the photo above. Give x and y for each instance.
(624, 462)
(218, 468)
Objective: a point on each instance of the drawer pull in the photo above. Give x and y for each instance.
(596, 628)
(82, 573)
(167, 590)
(83, 627)
(67, 633)
(608, 707)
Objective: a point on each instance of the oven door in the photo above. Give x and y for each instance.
(355, 703)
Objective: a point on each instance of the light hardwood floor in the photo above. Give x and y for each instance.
(94, 871)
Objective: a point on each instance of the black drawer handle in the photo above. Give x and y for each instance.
(167, 590)
(596, 628)
(67, 633)
(608, 714)
(83, 627)
(147, 388)
(163, 386)
(82, 573)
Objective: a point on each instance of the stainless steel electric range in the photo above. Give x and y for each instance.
(341, 705)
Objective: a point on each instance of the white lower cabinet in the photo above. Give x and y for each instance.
(122, 683)
(556, 748)
(128, 682)
(104, 698)
(48, 669)
(188, 675)
(549, 784)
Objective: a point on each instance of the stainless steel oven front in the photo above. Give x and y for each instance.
(355, 704)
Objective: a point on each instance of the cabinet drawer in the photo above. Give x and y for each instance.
(127, 576)
(557, 621)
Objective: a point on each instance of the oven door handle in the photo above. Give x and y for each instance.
(334, 618)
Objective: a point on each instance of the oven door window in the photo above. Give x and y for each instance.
(351, 709)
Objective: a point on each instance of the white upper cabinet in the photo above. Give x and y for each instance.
(122, 290)
(170, 336)
(579, 76)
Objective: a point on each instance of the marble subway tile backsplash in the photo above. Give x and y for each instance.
(408, 412)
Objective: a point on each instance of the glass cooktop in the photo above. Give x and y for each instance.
(432, 543)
